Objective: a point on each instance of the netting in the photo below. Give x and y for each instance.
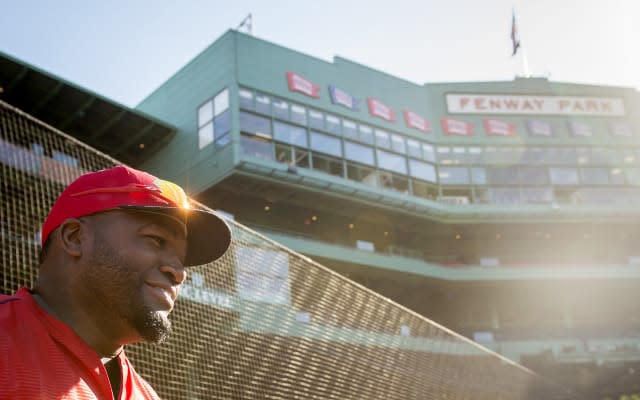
(262, 322)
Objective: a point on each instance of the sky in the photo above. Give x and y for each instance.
(125, 49)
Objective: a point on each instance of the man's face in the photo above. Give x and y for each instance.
(134, 269)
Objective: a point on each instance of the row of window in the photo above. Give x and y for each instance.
(365, 134)
(214, 121)
(447, 172)
(420, 183)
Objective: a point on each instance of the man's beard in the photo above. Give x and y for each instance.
(118, 287)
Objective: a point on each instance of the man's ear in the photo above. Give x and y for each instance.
(72, 233)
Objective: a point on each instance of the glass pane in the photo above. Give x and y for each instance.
(506, 175)
(534, 155)
(357, 152)
(205, 135)
(633, 176)
(246, 99)
(280, 109)
(256, 147)
(475, 155)
(453, 175)
(444, 155)
(205, 113)
(564, 176)
(428, 152)
(263, 104)
(395, 182)
(223, 140)
(422, 170)
(601, 156)
(533, 176)
(413, 148)
(392, 162)
(350, 129)
(222, 123)
(329, 165)
(290, 134)
(478, 176)
(221, 102)
(397, 144)
(616, 176)
(382, 139)
(459, 155)
(366, 134)
(298, 114)
(333, 124)
(284, 153)
(254, 124)
(325, 144)
(360, 173)
(595, 176)
(316, 119)
(534, 195)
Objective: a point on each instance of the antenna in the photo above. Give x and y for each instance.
(247, 23)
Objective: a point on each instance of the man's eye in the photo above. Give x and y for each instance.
(157, 240)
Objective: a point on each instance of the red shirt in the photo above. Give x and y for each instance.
(42, 358)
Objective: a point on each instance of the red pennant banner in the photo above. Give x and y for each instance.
(300, 84)
(380, 110)
(415, 121)
(496, 127)
(456, 127)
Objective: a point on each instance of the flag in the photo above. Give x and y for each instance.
(515, 38)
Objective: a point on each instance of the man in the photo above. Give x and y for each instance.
(114, 250)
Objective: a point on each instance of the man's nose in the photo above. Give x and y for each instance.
(175, 270)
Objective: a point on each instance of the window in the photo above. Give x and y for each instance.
(478, 176)
(422, 170)
(263, 104)
(246, 99)
(205, 135)
(391, 162)
(413, 148)
(221, 102)
(363, 174)
(350, 129)
(326, 144)
(475, 155)
(333, 124)
(444, 155)
(291, 134)
(395, 182)
(564, 176)
(397, 144)
(428, 153)
(222, 128)
(594, 176)
(453, 175)
(424, 190)
(633, 176)
(210, 129)
(292, 155)
(330, 165)
(382, 139)
(254, 124)
(533, 176)
(366, 134)
(536, 195)
(503, 175)
(256, 146)
(316, 120)
(616, 176)
(533, 155)
(298, 114)
(359, 153)
(280, 109)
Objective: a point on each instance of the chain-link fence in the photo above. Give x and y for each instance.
(262, 322)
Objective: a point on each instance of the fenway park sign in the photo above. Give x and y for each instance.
(543, 105)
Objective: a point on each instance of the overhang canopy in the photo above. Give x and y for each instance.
(119, 131)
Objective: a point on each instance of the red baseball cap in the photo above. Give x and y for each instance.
(121, 187)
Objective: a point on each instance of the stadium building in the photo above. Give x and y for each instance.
(505, 211)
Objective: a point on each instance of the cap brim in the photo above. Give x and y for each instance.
(208, 235)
